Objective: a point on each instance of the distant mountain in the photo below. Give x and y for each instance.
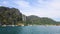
(40, 20)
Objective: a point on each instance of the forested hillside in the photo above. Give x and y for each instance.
(41, 20)
(12, 16)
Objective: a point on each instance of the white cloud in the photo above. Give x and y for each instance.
(49, 8)
(5, 2)
(22, 4)
(55, 4)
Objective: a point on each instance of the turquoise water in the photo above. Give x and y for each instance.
(30, 30)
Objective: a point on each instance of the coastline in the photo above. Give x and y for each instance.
(27, 25)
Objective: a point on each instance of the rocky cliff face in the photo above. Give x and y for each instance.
(10, 16)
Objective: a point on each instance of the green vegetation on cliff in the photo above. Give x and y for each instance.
(40, 20)
(10, 16)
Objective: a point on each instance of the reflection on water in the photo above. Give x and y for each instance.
(30, 30)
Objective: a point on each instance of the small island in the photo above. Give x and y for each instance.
(13, 17)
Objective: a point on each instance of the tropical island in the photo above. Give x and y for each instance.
(12, 16)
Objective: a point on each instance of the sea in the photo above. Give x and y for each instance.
(30, 30)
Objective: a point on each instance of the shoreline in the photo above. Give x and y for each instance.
(27, 25)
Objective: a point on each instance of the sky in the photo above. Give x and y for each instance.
(41, 8)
